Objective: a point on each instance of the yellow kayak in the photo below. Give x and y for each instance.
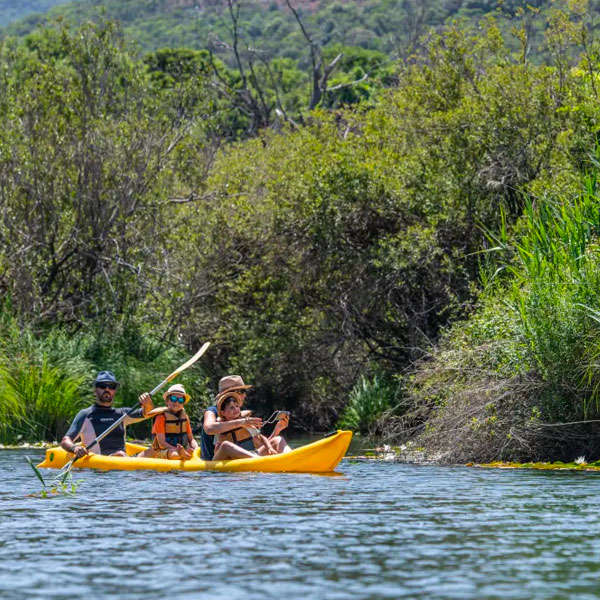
(321, 456)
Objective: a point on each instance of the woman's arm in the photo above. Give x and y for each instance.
(214, 427)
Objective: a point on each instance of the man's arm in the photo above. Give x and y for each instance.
(139, 414)
(74, 433)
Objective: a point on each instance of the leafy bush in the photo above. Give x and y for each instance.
(42, 381)
(46, 379)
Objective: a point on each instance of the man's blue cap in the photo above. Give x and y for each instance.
(106, 377)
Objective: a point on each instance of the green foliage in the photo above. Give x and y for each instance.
(330, 244)
(367, 401)
(396, 28)
(553, 277)
(376, 25)
(528, 357)
(86, 155)
(356, 238)
(41, 384)
(45, 380)
(62, 484)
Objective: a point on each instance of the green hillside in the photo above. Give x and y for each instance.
(390, 26)
(11, 11)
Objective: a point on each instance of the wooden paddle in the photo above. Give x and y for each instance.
(172, 376)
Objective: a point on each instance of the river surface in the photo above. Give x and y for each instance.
(374, 530)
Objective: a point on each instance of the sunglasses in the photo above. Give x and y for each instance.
(104, 386)
(176, 399)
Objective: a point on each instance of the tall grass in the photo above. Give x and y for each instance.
(520, 378)
(554, 288)
(46, 378)
(42, 384)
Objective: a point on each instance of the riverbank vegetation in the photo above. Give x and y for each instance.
(417, 260)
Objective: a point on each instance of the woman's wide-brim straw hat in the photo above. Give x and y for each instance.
(177, 389)
(230, 383)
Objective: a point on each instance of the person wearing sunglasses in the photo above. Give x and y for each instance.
(172, 430)
(96, 419)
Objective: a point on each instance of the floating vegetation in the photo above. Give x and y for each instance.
(546, 466)
(61, 485)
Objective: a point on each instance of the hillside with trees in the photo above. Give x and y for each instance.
(11, 11)
(392, 27)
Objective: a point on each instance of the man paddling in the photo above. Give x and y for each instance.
(93, 421)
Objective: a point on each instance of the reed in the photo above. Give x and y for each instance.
(551, 284)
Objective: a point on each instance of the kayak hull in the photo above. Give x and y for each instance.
(321, 456)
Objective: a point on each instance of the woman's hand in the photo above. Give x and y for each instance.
(255, 422)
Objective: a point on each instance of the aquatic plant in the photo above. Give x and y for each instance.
(62, 484)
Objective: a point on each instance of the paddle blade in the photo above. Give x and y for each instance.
(190, 362)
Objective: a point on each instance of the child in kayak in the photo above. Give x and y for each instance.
(172, 430)
(245, 441)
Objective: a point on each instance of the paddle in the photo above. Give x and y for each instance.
(172, 376)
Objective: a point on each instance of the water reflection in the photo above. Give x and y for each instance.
(376, 530)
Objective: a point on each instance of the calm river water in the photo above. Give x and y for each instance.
(376, 530)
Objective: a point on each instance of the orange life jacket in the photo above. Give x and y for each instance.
(176, 428)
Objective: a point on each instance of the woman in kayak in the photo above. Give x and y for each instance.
(213, 426)
(245, 440)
